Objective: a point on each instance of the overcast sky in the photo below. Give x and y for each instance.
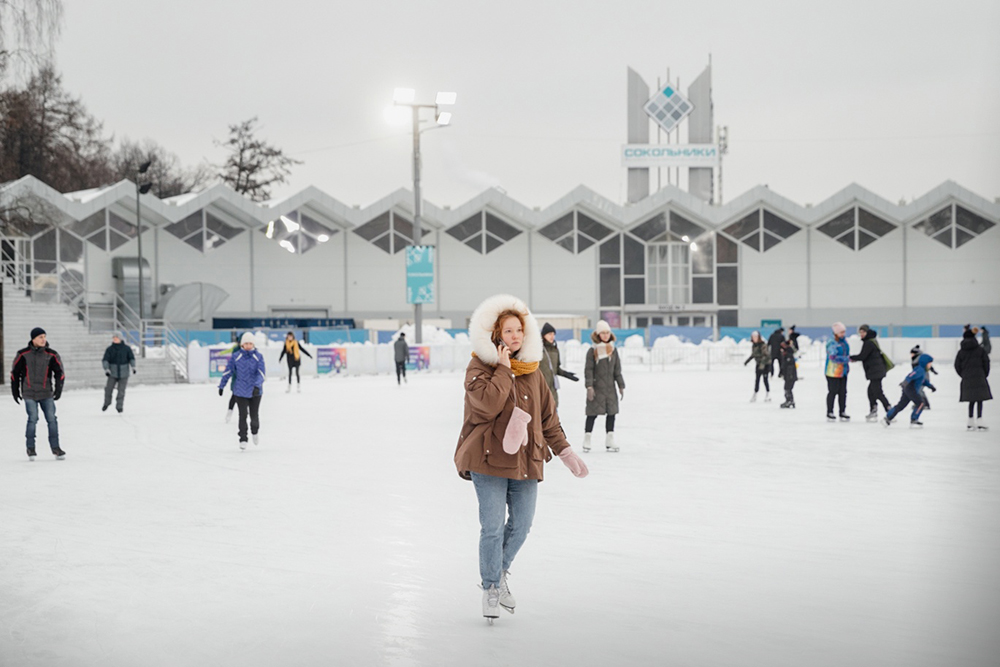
(895, 96)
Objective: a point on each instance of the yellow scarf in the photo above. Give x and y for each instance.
(520, 367)
(292, 348)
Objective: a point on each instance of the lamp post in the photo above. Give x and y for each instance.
(141, 189)
(404, 97)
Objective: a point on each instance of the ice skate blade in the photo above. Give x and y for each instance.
(489, 619)
(509, 610)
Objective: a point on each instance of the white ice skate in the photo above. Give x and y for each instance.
(491, 603)
(298, 388)
(506, 598)
(288, 389)
(586, 442)
(753, 399)
(767, 397)
(981, 427)
(243, 444)
(970, 425)
(256, 439)
(872, 416)
(229, 416)
(609, 442)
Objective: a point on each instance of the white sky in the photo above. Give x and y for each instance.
(896, 96)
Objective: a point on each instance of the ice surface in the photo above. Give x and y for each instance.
(723, 533)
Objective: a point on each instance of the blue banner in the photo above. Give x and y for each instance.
(420, 274)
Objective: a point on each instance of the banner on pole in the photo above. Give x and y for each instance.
(420, 274)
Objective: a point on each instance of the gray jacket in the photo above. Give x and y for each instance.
(603, 375)
(118, 358)
(402, 350)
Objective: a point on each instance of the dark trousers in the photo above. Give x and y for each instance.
(909, 394)
(789, 386)
(48, 406)
(776, 359)
(109, 388)
(400, 370)
(297, 378)
(756, 384)
(876, 395)
(836, 388)
(609, 423)
(232, 401)
(978, 404)
(253, 406)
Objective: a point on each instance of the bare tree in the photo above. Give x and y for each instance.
(253, 165)
(28, 30)
(168, 176)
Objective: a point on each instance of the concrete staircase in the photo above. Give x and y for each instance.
(80, 350)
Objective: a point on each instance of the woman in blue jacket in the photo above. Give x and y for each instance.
(246, 368)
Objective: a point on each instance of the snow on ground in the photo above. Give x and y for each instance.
(723, 533)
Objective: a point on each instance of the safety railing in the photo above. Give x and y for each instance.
(160, 339)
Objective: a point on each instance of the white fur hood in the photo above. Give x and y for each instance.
(481, 329)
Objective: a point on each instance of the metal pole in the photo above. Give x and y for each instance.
(417, 310)
(142, 302)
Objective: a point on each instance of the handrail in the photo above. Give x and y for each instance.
(157, 333)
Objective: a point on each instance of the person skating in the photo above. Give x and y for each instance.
(973, 365)
(874, 364)
(759, 351)
(117, 361)
(246, 367)
(789, 372)
(549, 365)
(602, 372)
(913, 391)
(838, 356)
(37, 376)
(293, 352)
(793, 338)
(402, 355)
(510, 430)
(774, 348)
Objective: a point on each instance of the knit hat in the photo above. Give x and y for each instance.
(602, 326)
(865, 328)
(915, 351)
(968, 333)
(839, 329)
(118, 335)
(36, 332)
(547, 329)
(246, 338)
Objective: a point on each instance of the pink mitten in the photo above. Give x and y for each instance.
(516, 435)
(574, 462)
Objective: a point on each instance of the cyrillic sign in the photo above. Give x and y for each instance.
(670, 155)
(420, 274)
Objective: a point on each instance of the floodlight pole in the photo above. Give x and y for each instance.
(418, 308)
(139, 189)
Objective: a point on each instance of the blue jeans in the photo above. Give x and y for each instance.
(49, 410)
(499, 542)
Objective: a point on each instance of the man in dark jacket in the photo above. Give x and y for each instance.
(774, 347)
(870, 357)
(118, 358)
(402, 351)
(37, 376)
(549, 365)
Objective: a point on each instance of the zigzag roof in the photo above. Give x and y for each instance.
(79, 205)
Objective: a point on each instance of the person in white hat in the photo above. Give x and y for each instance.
(601, 373)
(246, 368)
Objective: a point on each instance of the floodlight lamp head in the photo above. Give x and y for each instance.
(144, 167)
(444, 118)
(144, 188)
(445, 98)
(403, 95)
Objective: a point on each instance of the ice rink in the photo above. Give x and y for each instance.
(723, 533)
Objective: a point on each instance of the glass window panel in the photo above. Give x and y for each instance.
(652, 228)
(591, 227)
(944, 237)
(678, 275)
(728, 318)
(502, 230)
(770, 240)
(225, 231)
(663, 276)
(583, 242)
(293, 216)
(681, 227)
(560, 227)
(196, 241)
(728, 287)
(468, 227)
(652, 295)
(875, 225)
(778, 226)
(374, 228)
(492, 243)
(865, 239)
(753, 241)
(566, 242)
(44, 267)
(383, 242)
(728, 252)
(972, 222)
(611, 250)
(307, 243)
(312, 226)
(635, 290)
(702, 289)
(44, 246)
(399, 241)
(186, 227)
(702, 256)
(404, 227)
(70, 248)
(838, 225)
(122, 226)
(610, 287)
(99, 239)
(743, 227)
(679, 253)
(634, 257)
(475, 242)
(680, 295)
(212, 240)
(935, 223)
(88, 225)
(962, 237)
(847, 239)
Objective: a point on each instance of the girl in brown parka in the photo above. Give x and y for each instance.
(510, 430)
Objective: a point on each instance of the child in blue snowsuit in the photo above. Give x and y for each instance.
(246, 368)
(913, 390)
